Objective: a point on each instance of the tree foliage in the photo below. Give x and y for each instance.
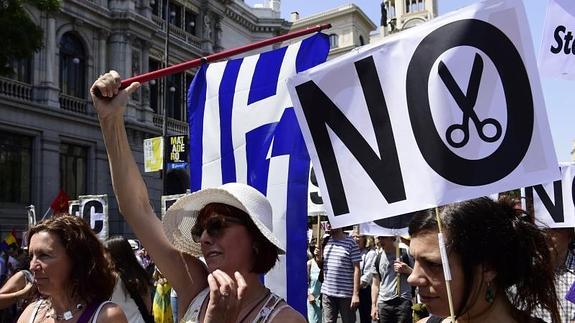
(21, 37)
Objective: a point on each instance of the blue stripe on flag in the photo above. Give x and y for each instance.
(226, 97)
(266, 74)
(196, 106)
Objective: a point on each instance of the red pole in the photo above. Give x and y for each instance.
(217, 56)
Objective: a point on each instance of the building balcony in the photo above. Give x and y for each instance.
(74, 104)
(176, 126)
(15, 89)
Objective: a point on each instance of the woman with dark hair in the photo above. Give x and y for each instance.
(500, 264)
(72, 274)
(133, 286)
(229, 225)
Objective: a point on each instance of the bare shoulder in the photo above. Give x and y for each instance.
(289, 315)
(111, 313)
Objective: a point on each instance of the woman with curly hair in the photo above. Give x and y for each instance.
(72, 274)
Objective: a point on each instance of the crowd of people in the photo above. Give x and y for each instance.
(207, 256)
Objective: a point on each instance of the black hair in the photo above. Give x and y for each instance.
(126, 264)
(498, 236)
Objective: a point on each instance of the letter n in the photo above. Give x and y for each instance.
(320, 113)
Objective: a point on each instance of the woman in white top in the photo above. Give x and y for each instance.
(133, 285)
(71, 273)
(230, 224)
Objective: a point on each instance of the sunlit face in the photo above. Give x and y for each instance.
(49, 263)
(230, 250)
(428, 277)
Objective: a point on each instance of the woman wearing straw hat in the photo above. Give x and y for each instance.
(500, 266)
(230, 225)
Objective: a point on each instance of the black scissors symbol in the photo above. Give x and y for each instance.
(466, 103)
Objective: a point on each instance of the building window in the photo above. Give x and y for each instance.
(15, 168)
(175, 99)
(155, 5)
(333, 41)
(176, 14)
(190, 22)
(72, 66)
(361, 41)
(73, 169)
(414, 5)
(22, 70)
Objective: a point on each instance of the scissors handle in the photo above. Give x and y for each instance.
(481, 130)
(450, 132)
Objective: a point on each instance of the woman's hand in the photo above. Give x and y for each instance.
(226, 296)
(108, 99)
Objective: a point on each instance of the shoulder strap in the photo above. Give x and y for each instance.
(35, 311)
(139, 301)
(98, 310)
(88, 312)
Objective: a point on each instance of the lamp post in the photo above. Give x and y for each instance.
(168, 15)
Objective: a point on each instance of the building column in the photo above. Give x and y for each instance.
(50, 170)
(47, 91)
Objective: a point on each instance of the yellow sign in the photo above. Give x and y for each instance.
(153, 153)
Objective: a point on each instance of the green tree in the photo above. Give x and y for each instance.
(21, 38)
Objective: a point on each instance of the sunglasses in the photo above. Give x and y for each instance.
(214, 226)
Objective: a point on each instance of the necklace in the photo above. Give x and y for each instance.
(255, 306)
(66, 316)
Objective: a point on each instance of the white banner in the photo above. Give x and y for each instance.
(94, 210)
(554, 203)
(372, 229)
(314, 200)
(449, 110)
(168, 200)
(557, 53)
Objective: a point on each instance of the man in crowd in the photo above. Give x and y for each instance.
(341, 274)
(390, 292)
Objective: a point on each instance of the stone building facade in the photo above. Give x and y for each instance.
(49, 134)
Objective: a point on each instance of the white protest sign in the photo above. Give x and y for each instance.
(557, 53)
(314, 200)
(446, 111)
(168, 200)
(387, 227)
(554, 203)
(94, 210)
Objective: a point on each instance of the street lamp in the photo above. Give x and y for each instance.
(167, 15)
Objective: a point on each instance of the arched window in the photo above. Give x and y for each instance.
(333, 41)
(72, 66)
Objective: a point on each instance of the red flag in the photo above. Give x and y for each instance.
(60, 203)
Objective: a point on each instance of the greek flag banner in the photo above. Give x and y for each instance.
(243, 129)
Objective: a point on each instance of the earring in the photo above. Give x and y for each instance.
(490, 293)
(256, 250)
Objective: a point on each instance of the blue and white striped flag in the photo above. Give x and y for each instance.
(243, 129)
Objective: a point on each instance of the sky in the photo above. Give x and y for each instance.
(555, 91)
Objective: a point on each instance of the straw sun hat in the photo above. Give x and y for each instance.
(182, 215)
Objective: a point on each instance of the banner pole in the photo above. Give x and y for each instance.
(397, 275)
(319, 237)
(218, 56)
(445, 263)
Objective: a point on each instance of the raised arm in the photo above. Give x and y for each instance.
(186, 273)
